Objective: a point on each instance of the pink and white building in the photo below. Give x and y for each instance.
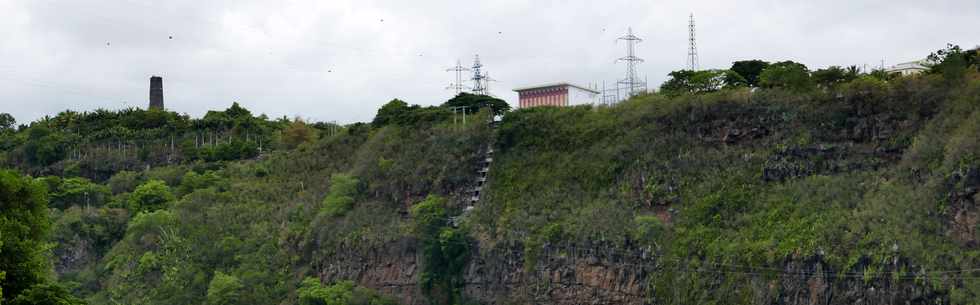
(556, 94)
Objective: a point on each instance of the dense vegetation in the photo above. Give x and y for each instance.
(875, 176)
(760, 165)
(239, 229)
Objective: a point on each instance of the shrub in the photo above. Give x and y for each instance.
(312, 292)
(78, 191)
(340, 200)
(224, 289)
(150, 196)
(194, 181)
(124, 181)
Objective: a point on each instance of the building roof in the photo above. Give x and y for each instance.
(558, 84)
(922, 64)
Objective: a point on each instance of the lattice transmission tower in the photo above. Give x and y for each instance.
(458, 85)
(479, 79)
(692, 47)
(486, 83)
(632, 83)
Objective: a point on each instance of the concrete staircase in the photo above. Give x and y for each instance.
(474, 194)
(481, 178)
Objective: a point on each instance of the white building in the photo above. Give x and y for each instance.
(555, 94)
(909, 68)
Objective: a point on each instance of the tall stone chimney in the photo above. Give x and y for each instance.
(156, 92)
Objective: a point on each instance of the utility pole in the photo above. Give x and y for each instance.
(459, 108)
(631, 82)
(692, 48)
(458, 85)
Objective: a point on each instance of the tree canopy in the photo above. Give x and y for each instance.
(788, 75)
(952, 62)
(25, 226)
(834, 75)
(475, 102)
(150, 196)
(750, 70)
(7, 122)
(688, 81)
(24, 229)
(312, 292)
(397, 112)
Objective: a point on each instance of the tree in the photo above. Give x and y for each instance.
(236, 111)
(124, 181)
(444, 250)
(77, 191)
(880, 74)
(852, 72)
(429, 215)
(750, 70)
(24, 228)
(150, 196)
(786, 75)
(398, 112)
(296, 134)
(475, 102)
(952, 62)
(688, 81)
(47, 294)
(224, 290)
(312, 292)
(833, 76)
(44, 146)
(193, 181)
(734, 80)
(390, 112)
(7, 122)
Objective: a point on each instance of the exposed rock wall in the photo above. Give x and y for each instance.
(561, 275)
(568, 274)
(391, 269)
(594, 274)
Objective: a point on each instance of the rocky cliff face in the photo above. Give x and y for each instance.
(499, 275)
(391, 269)
(596, 274)
(567, 274)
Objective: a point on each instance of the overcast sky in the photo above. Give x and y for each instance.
(341, 59)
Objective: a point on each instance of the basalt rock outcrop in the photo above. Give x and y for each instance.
(597, 274)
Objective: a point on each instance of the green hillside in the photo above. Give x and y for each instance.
(729, 183)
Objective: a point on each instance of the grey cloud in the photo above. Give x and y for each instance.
(336, 60)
